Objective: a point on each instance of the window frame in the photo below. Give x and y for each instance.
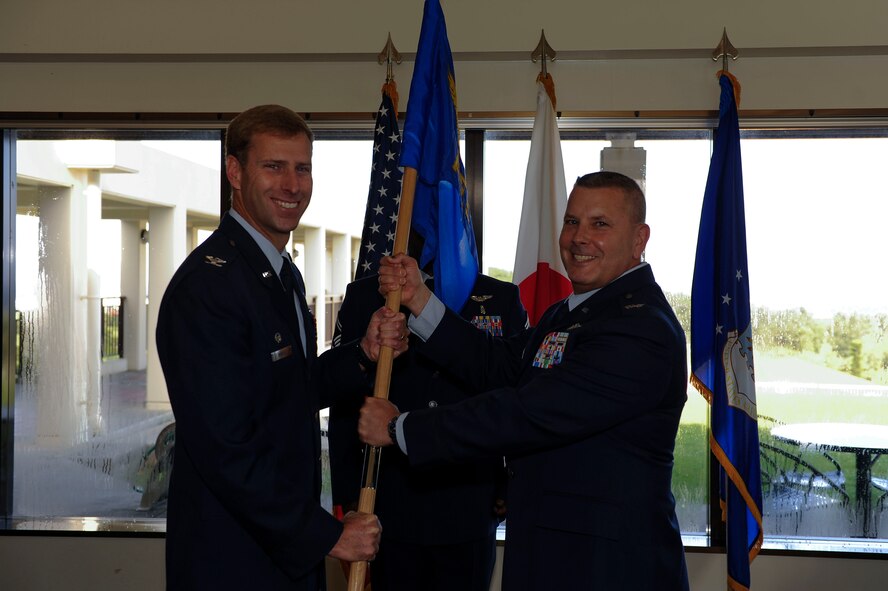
(476, 132)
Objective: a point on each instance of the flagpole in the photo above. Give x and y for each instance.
(432, 121)
(367, 500)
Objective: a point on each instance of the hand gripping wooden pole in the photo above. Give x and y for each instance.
(367, 501)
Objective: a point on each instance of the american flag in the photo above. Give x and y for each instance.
(384, 198)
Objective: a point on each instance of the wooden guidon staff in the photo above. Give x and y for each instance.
(367, 501)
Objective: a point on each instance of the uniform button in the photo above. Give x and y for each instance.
(511, 473)
(433, 404)
(628, 296)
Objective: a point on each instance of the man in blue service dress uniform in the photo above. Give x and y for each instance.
(585, 407)
(237, 344)
(440, 523)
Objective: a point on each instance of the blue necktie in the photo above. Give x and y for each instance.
(292, 282)
(561, 312)
(287, 278)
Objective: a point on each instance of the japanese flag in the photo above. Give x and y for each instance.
(539, 273)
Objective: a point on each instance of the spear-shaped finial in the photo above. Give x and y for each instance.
(388, 54)
(543, 52)
(725, 50)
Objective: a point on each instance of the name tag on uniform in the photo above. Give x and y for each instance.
(282, 353)
(492, 325)
(551, 351)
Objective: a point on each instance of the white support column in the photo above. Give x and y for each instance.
(133, 288)
(93, 300)
(60, 380)
(192, 238)
(94, 417)
(342, 264)
(167, 238)
(314, 271)
(624, 157)
(355, 253)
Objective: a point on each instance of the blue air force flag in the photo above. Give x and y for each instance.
(721, 342)
(431, 146)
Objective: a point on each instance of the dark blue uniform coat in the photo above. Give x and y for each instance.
(587, 414)
(244, 509)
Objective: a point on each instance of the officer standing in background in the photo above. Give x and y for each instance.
(440, 523)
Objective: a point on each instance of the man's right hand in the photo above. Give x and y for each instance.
(374, 419)
(402, 272)
(360, 538)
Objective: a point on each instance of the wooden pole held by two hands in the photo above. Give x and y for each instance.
(367, 501)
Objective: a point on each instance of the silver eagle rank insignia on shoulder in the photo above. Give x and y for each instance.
(215, 261)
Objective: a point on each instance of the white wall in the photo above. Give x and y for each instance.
(32, 563)
(320, 57)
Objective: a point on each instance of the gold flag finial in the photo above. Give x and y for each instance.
(389, 54)
(543, 52)
(724, 50)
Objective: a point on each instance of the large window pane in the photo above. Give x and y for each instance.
(675, 178)
(505, 163)
(815, 216)
(101, 223)
(334, 224)
(676, 171)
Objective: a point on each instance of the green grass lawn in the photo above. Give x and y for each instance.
(839, 398)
